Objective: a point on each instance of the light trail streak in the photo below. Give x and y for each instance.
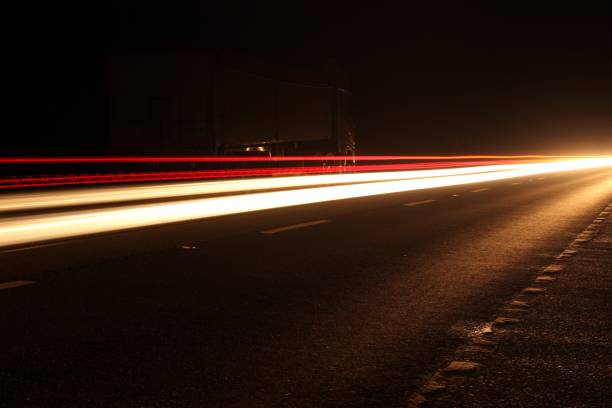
(84, 179)
(23, 230)
(103, 195)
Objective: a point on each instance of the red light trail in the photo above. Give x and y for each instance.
(83, 179)
(184, 206)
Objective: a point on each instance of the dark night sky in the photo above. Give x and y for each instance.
(440, 80)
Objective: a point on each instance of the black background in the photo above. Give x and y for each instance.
(425, 80)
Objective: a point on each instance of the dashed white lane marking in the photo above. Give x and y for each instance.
(15, 284)
(294, 226)
(419, 203)
(516, 183)
(28, 248)
(479, 190)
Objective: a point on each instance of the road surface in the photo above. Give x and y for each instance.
(350, 303)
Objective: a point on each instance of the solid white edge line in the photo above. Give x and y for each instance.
(479, 190)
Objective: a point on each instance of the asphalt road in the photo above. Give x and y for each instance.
(355, 310)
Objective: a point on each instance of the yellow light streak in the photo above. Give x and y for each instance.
(34, 228)
(105, 195)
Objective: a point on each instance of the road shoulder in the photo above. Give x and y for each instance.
(548, 346)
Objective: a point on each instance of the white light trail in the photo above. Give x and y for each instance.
(105, 195)
(34, 228)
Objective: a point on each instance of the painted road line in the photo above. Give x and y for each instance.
(28, 248)
(517, 183)
(479, 190)
(15, 284)
(418, 203)
(295, 226)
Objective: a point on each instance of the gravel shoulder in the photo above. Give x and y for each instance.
(555, 349)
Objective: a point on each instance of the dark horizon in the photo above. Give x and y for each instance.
(423, 81)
